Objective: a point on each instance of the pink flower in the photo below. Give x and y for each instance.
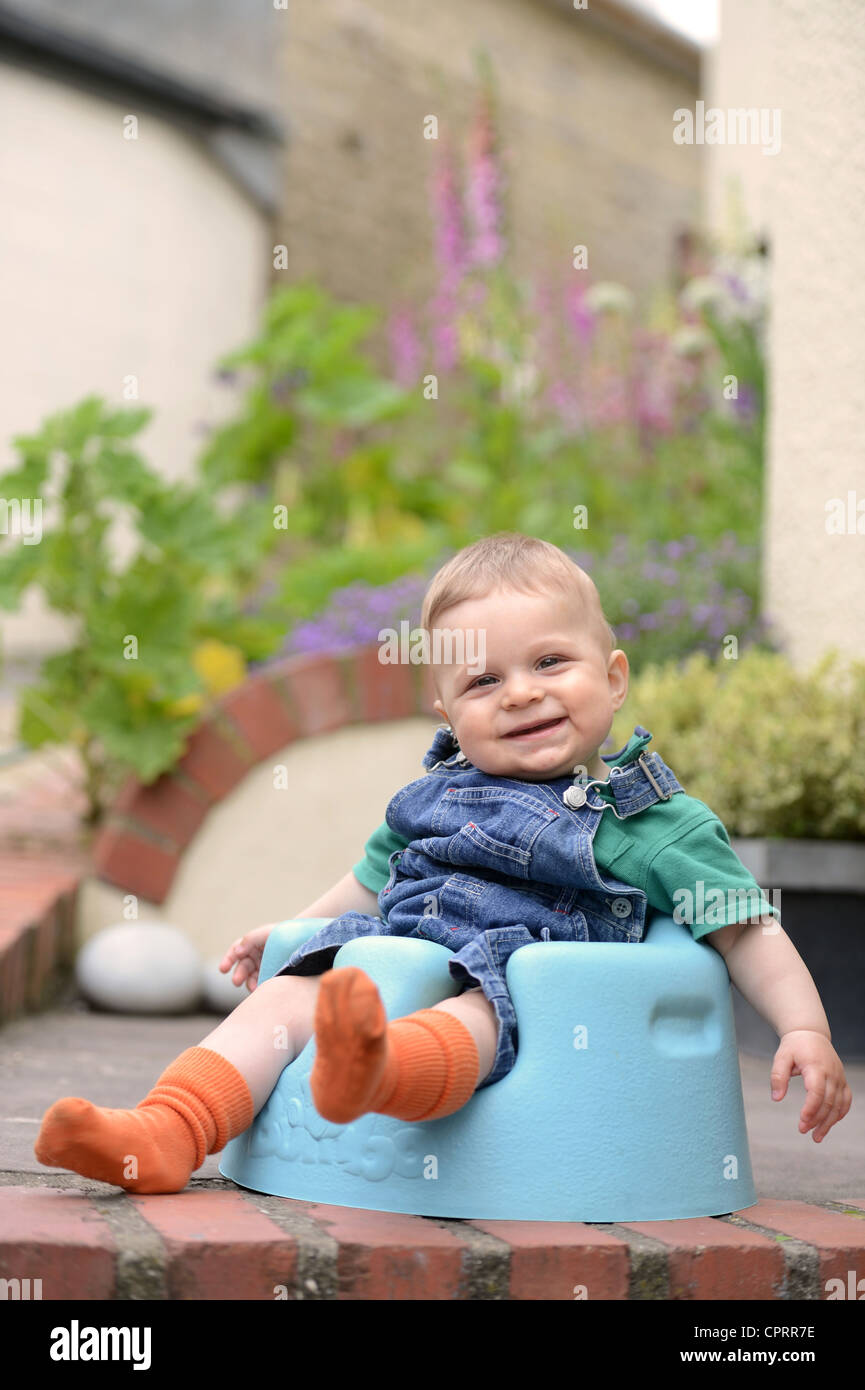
(452, 257)
(563, 401)
(609, 404)
(405, 348)
(444, 334)
(450, 237)
(483, 192)
(579, 315)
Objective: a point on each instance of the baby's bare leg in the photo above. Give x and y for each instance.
(272, 1026)
(267, 1030)
(475, 1011)
(156, 1146)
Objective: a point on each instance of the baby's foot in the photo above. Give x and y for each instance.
(350, 1045)
(150, 1149)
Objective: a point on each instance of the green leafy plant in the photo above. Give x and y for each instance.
(774, 751)
(318, 430)
(509, 404)
(124, 692)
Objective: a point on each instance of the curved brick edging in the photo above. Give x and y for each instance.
(38, 896)
(195, 1244)
(147, 829)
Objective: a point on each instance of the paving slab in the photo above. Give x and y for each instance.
(114, 1060)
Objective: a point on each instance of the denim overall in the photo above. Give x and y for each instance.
(494, 864)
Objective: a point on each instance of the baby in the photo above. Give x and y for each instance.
(507, 840)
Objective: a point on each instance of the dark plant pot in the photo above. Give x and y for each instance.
(821, 884)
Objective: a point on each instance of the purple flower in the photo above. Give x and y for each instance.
(283, 386)
(745, 403)
(736, 286)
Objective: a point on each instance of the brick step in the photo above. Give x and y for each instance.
(217, 1241)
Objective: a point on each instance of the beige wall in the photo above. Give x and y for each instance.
(264, 854)
(807, 60)
(739, 71)
(585, 118)
(117, 257)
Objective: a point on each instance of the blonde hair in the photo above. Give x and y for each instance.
(509, 560)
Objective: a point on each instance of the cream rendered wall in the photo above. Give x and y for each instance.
(117, 257)
(809, 61)
(264, 853)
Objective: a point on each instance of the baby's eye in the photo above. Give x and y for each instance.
(481, 679)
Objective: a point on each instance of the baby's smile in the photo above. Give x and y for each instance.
(536, 730)
(544, 700)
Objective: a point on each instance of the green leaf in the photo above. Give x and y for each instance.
(120, 424)
(120, 473)
(145, 741)
(73, 428)
(19, 567)
(356, 400)
(41, 719)
(27, 479)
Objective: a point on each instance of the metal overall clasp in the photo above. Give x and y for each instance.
(642, 760)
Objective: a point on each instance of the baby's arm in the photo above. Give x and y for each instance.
(348, 895)
(244, 955)
(764, 964)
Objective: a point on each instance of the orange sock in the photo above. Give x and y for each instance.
(420, 1067)
(198, 1103)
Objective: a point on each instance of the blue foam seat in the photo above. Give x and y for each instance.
(625, 1103)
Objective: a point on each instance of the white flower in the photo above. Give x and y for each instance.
(690, 341)
(704, 291)
(608, 297)
(745, 283)
(521, 382)
(736, 290)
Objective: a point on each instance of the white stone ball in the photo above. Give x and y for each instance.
(220, 994)
(140, 968)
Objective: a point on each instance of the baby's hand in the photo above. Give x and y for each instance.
(247, 952)
(812, 1056)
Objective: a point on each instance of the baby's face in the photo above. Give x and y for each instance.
(542, 662)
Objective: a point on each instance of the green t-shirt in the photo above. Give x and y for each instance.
(678, 852)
